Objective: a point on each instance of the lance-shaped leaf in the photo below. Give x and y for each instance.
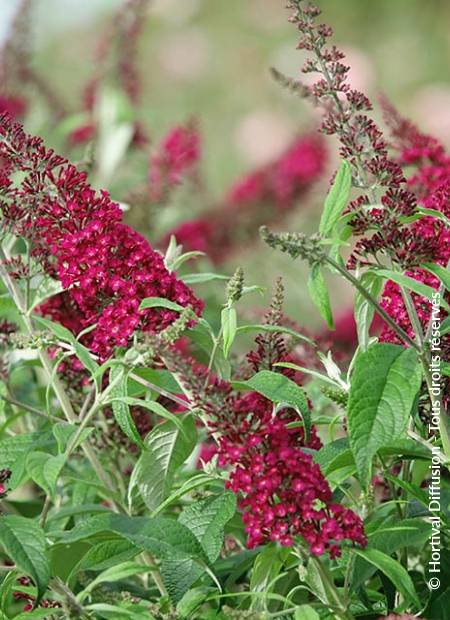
(168, 446)
(336, 200)
(385, 381)
(24, 542)
(121, 409)
(319, 295)
(279, 389)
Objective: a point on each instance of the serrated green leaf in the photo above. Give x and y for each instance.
(207, 518)
(151, 405)
(161, 378)
(229, 326)
(279, 389)
(121, 410)
(385, 381)
(15, 447)
(319, 295)
(162, 537)
(336, 200)
(24, 542)
(47, 288)
(393, 570)
(167, 447)
(109, 553)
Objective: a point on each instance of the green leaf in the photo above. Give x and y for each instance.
(279, 389)
(364, 310)
(7, 587)
(64, 431)
(24, 542)
(336, 200)
(277, 329)
(120, 409)
(168, 446)
(160, 302)
(433, 213)
(440, 272)
(161, 378)
(414, 285)
(48, 287)
(385, 381)
(207, 518)
(114, 573)
(151, 405)
(266, 568)
(120, 612)
(65, 335)
(319, 295)
(201, 278)
(16, 447)
(162, 537)
(306, 612)
(106, 554)
(229, 326)
(45, 469)
(14, 450)
(334, 455)
(37, 613)
(388, 537)
(393, 570)
(192, 600)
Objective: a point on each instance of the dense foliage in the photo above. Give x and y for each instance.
(163, 456)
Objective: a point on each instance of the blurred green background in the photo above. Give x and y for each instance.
(210, 59)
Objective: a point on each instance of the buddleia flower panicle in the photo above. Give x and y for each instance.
(78, 236)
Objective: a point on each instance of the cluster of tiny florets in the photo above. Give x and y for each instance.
(77, 234)
(284, 493)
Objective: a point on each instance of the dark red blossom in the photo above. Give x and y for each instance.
(284, 493)
(77, 234)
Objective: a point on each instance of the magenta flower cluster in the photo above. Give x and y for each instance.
(106, 267)
(284, 492)
(430, 180)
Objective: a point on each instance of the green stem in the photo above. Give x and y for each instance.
(58, 388)
(365, 293)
